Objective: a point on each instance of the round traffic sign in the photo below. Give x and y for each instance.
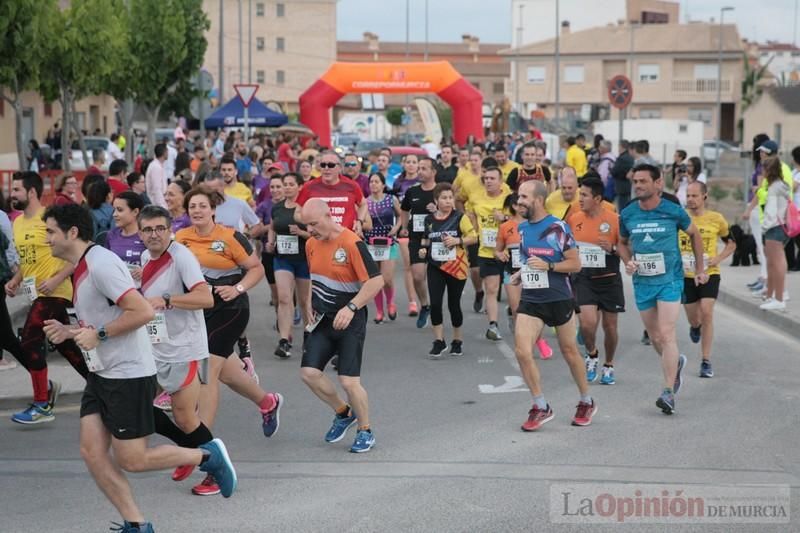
(620, 91)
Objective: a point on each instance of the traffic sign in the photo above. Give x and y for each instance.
(246, 92)
(620, 91)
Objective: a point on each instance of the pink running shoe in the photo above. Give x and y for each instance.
(545, 351)
(163, 401)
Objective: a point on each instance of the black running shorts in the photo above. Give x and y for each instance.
(490, 267)
(325, 342)
(606, 294)
(472, 255)
(693, 293)
(225, 325)
(553, 314)
(125, 405)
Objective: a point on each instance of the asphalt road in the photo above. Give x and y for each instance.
(450, 455)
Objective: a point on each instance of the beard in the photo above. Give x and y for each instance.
(19, 205)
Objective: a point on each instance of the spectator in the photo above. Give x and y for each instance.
(98, 199)
(117, 171)
(155, 178)
(775, 238)
(576, 157)
(66, 190)
(678, 159)
(619, 172)
(137, 184)
(694, 172)
(604, 163)
(98, 160)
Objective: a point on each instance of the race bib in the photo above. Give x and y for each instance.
(516, 260)
(689, 263)
(592, 256)
(287, 245)
(379, 253)
(418, 223)
(315, 320)
(157, 329)
(488, 237)
(534, 279)
(29, 287)
(441, 253)
(651, 264)
(89, 356)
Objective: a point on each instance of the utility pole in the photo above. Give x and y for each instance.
(249, 41)
(426, 30)
(241, 46)
(221, 53)
(408, 55)
(558, 68)
(517, 64)
(719, 89)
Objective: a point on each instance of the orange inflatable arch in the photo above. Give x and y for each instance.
(431, 77)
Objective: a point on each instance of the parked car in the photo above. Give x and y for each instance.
(710, 150)
(169, 133)
(92, 143)
(363, 148)
(343, 143)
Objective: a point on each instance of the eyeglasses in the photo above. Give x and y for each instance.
(156, 230)
(328, 165)
(351, 164)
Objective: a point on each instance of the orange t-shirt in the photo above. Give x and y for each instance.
(219, 253)
(508, 234)
(589, 231)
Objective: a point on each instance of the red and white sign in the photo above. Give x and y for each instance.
(246, 92)
(620, 91)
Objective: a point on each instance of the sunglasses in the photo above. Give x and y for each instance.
(351, 164)
(328, 165)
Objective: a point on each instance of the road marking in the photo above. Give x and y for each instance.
(512, 384)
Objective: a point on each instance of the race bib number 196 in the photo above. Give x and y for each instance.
(651, 264)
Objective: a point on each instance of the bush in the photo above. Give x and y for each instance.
(394, 116)
(717, 192)
(738, 194)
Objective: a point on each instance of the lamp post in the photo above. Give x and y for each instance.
(719, 88)
(558, 69)
(517, 66)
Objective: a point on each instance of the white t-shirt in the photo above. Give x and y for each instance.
(683, 187)
(114, 152)
(100, 280)
(235, 214)
(176, 272)
(169, 163)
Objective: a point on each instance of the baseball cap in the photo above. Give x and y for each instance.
(275, 166)
(771, 147)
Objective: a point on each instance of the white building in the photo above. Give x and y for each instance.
(783, 59)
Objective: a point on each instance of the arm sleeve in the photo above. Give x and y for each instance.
(683, 219)
(623, 230)
(248, 215)
(405, 205)
(11, 251)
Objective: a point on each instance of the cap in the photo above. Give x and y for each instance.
(771, 147)
(275, 166)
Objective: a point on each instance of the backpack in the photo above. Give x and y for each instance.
(792, 224)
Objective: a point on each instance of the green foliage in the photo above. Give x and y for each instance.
(717, 192)
(750, 87)
(394, 116)
(738, 194)
(23, 32)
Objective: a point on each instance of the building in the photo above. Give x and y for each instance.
(673, 69)
(282, 46)
(777, 113)
(782, 60)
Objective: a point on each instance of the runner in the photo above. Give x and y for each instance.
(548, 255)
(124, 239)
(287, 240)
(45, 282)
(402, 183)
(447, 233)
(116, 408)
(9, 263)
(500, 154)
(468, 180)
(487, 212)
(174, 198)
(233, 187)
(533, 168)
(384, 210)
(345, 279)
(264, 212)
(598, 285)
(649, 249)
(699, 300)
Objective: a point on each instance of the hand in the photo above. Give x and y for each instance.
(516, 278)
(343, 318)
(701, 278)
(136, 273)
(631, 267)
(606, 246)
(56, 331)
(47, 286)
(293, 229)
(11, 288)
(498, 215)
(431, 207)
(270, 247)
(423, 253)
(450, 241)
(537, 264)
(158, 303)
(501, 256)
(713, 262)
(226, 292)
(86, 338)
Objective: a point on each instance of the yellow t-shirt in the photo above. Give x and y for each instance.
(576, 158)
(35, 258)
(483, 206)
(467, 184)
(240, 191)
(507, 168)
(712, 226)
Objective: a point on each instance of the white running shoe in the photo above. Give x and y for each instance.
(773, 305)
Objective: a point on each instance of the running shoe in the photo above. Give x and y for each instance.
(537, 418)
(694, 333)
(666, 402)
(493, 333)
(439, 347)
(244, 348)
(7, 364)
(127, 527)
(364, 442)
(163, 401)
(758, 285)
(271, 419)
(477, 305)
(456, 347)
(182, 472)
(339, 427)
(424, 313)
(412, 309)
(545, 351)
(678, 378)
(218, 464)
(760, 294)
(207, 487)
(284, 349)
(773, 305)
(608, 376)
(584, 413)
(36, 413)
(52, 393)
(645, 338)
(705, 369)
(250, 368)
(591, 368)
(297, 318)
(392, 311)
(378, 317)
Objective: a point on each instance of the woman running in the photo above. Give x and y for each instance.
(447, 233)
(174, 198)
(384, 209)
(124, 239)
(407, 179)
(264, 212)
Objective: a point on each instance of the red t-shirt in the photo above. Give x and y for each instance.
(117, 186)
(283, 156)
(342, 198)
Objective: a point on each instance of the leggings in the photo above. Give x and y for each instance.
(33, 339)
(438, 281)
(8, 337)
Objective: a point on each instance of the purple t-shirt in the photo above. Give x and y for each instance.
(180, 223)
(264, 213)
(129, 248)
(401, 185)
(363, 182)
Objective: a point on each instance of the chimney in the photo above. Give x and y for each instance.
(565, 27)
(373, 44)
(466, 38)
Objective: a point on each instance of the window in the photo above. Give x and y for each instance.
(573, 74)
(650, 113)
(260, 76)
(706, 71)
(260, 9)
(536, 75)
(259, 43)
(703, 114)
(649, 73)
(498, 87)
(280, 9)
(280, 44)
(280, 77)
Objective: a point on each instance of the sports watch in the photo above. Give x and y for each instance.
(102, 334)
(166, 298)
(353, 307)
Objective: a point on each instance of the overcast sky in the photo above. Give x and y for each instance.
(449, 19)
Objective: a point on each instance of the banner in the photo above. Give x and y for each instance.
(430, 119)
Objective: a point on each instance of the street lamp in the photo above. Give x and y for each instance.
(719, 88)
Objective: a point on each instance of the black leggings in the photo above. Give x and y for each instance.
(8, 337)
(33, 338)
(438, 281)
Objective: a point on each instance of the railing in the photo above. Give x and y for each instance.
(700, 86)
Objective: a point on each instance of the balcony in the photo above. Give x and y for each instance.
(699, 87)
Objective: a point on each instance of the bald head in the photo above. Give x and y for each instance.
(315, 208)
(317, 217)
(534, 189)
(569, 184)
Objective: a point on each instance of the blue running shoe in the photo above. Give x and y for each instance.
(339, 427)
(127, 527)
(608, 376)
(666, 402)
(757, 286)
(591, 368)
(271, 419)
(364, 442)
(678, 379)
(424, 313)
(219, 465)
(694, 333)
(34, 414)
(705, 369)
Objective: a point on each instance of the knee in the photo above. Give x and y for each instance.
(130, 462)
(350, 385)
(309, 375)
(91, 453)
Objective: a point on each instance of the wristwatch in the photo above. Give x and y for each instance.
(102, 334)
(166, 298)
(240, 288)
(551, 267)
(351, 306)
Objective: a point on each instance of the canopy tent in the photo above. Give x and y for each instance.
(232, 115)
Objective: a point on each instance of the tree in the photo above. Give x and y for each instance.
(23, 31)
(394, 116)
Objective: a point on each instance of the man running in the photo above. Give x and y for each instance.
(116, 407)
(548, 255)
(598, 286)
(699, 300)
(468, 180)
(532, 168)
(344, 280)
(649, 249)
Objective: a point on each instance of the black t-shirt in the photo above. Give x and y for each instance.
(282, 217)
(518, 176)
(416, 203)
(447, 174)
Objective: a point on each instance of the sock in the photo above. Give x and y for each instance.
(199, 436)
(40, 385)
(608, 365)
(585, 398)
(493, 323)
(268, 403)
(595, 354)
(167, 428)
(365, 427)
(379, 302)
(343, 412)
(540, 402)
(668, 390)
(389, 293)
(706, 360)
(137, 525)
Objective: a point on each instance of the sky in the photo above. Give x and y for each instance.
(449, 19)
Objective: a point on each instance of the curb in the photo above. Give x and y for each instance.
(780, 321)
